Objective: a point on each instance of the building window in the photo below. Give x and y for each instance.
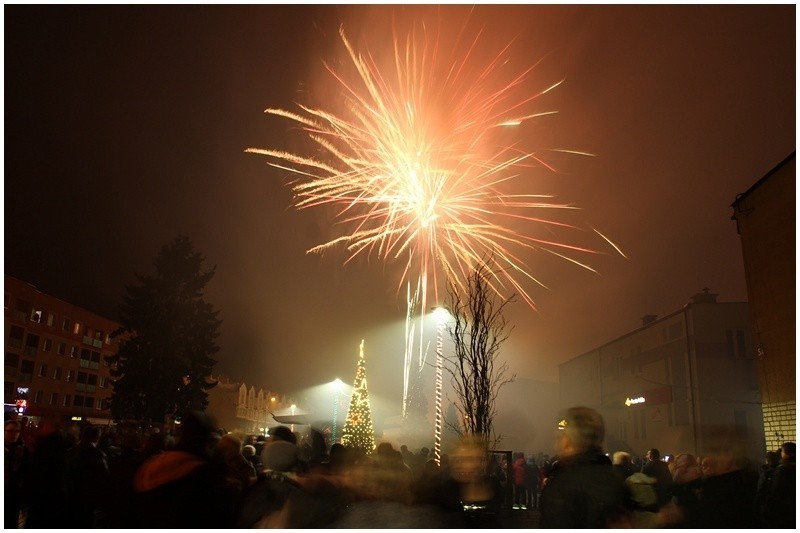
(65, 325)
(26, 371)
(67, 398)
(80, 383)
(15, 335)
(31, 344)
(12, 359)
(70, 375)
(57, 373)
(37, 397)
(21, 310)
(84, 358)
(47, 345)
(76, 329)
(103, 382)
(37, 315)
(740, 343)
(50, 319)
(94, 362)
(62, 348)
(88, 402)
(737, 347)
(53, 398)
(42, 371)
(78, 402)
(91, 384)
(73, 351)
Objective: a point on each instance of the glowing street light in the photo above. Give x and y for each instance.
(442, 315)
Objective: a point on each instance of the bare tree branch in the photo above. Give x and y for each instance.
(478, 330)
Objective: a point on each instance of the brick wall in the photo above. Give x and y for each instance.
(780, 423)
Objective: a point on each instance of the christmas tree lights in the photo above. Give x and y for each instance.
(358, 431)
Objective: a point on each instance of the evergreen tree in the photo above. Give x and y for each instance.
(358, 432)
(167, 338)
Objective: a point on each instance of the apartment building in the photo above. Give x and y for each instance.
(677, 383)
(55, 357)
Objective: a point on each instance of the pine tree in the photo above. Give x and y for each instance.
(167, 339)
(358, 432)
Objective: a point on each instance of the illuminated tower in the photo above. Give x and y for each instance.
(358, 432)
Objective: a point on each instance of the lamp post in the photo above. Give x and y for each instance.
(441, 315)
(337, 386)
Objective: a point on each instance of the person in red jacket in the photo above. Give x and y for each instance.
(520, 481)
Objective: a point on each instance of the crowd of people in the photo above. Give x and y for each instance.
(204, 477)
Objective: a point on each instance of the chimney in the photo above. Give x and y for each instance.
(648, 319)
(704, 297)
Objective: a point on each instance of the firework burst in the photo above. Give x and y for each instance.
(422, 166)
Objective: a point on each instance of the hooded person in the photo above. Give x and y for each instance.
(183, 487)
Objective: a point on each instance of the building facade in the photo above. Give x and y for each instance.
(676, 383)
(765, 220)
(55, 357)
(238, 406)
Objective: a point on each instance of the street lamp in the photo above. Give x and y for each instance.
(441, 314)
(293, 409)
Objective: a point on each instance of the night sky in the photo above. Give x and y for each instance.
(127, 126)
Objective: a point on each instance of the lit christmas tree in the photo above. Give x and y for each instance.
(358, 432)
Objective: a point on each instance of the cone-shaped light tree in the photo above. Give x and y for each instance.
(358, 432)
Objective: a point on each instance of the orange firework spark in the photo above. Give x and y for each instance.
(419, 165)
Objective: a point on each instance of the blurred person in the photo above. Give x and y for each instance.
(122, 470)
(284, 496)
(479, 488)
(728, 490)
(532, 483)
(239, 471)
(183, 487)
(657, 469)
(14, 472)
(765, 471)
(687, 484)
(582, 491)
(622, 465)
(88, 481)
(781, 503)
(707, 466)
(520, 469)
(44, 490)
(249, 453)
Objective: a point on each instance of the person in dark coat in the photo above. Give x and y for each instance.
(583, 491)
(44, 490)
(87, 481)
(658, 470)
(765, 472)
(15, 465)
(183, 487)
(728, 487)
(781, 504)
